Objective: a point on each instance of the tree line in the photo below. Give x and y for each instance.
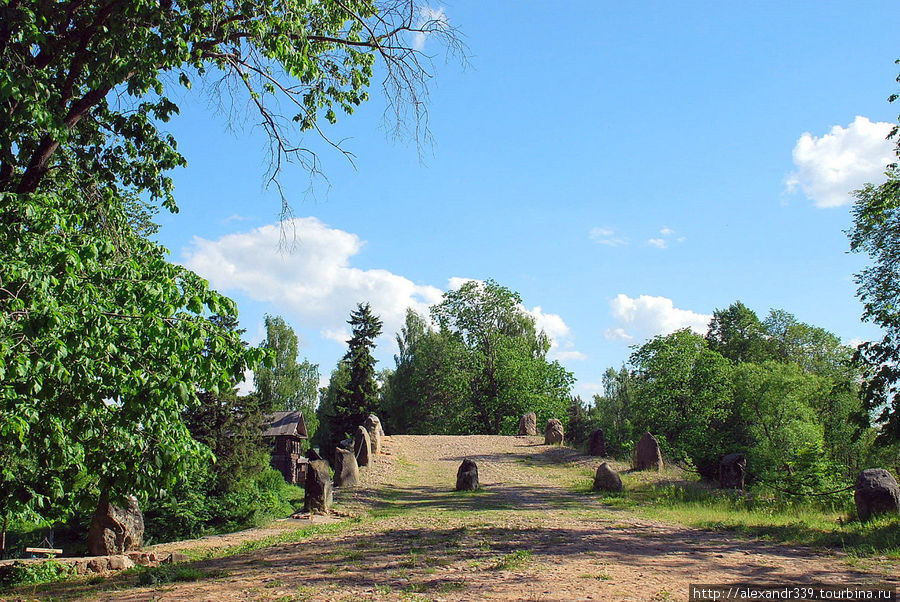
(785, 393)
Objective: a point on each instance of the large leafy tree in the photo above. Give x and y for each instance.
(507, 370)
(103, 343)
(684, 394)
(287, 384)
(876, 222)
(85, 83)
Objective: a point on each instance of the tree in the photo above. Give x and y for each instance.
(85, 83)
(287, 384)
(507, 369)
(358, 398)
(737, 334)
(103, 346)
(684, 394)
(876, 220)
(427, 393)
(613, 410)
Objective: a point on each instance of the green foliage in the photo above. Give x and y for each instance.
(876, 216)
(174, 573)
(684, 395)
(85, 402)
(612, 411)
(737, 334)
(792, 408)
(33, 573)
(352, 393)
(287, 384)
(483, 369)
(198, 505)
(61, 68)
(506, 369)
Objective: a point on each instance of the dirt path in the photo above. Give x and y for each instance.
(527, 535)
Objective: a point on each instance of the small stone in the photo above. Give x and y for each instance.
(120, 562)
(554, 434)
(319, 491)
(876, 493)
(528, 424)
(607, 479)
(597, 443)
(346, 471)
(98, 565)
(647, 455)
(373, 425)
(467, 476)
(732, 469)
(362, 446)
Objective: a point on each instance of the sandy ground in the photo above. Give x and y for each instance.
(526, 536)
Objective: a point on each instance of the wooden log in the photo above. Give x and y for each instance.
(43, 551)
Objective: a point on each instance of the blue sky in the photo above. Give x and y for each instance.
(626, 168)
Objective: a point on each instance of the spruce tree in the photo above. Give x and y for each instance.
(359, 397)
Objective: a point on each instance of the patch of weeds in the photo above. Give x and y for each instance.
(451, 586)
(274, 583)
(33, 573)
(305, 592)
(173, 573)
(384, 590)
(353, 555)
(415, 588)
(513, 560)
(333, 569)
(662, 594)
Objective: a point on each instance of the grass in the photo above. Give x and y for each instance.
(174, 573)
(802, 520)
(513, 560)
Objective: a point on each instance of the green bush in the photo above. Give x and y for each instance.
(31, 573)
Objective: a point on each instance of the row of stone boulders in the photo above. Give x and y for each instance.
(348, 458)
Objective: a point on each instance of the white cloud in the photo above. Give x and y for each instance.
(648, 316)
(562, 348)
(430, 19)
(247, 386)
(339, 336)
(666, 231)
(831, 167)
(608, 237)
(455, 282)
(313, 283)
(659, 243)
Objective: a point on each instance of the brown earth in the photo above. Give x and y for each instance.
(529, 535)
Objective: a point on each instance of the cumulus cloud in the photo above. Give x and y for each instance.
(314, 283)
(430, 20)
(562, 347)
(659, 243)
(666, 231)
(608, 237)
(648, 316)
(830, 167)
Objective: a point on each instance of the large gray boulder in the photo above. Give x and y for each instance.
(362, 446)
(528, 424)
(876, 493)
(346, 471)
(467, 476)
(373, 425)
(553, 434)
(647, 455)
(732, 469)
(607, 479)
(319, 491)
(596, 443)
(115, 530)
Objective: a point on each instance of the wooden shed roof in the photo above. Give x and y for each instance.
(285, 423)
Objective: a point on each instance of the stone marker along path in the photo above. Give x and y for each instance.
(527, 535)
